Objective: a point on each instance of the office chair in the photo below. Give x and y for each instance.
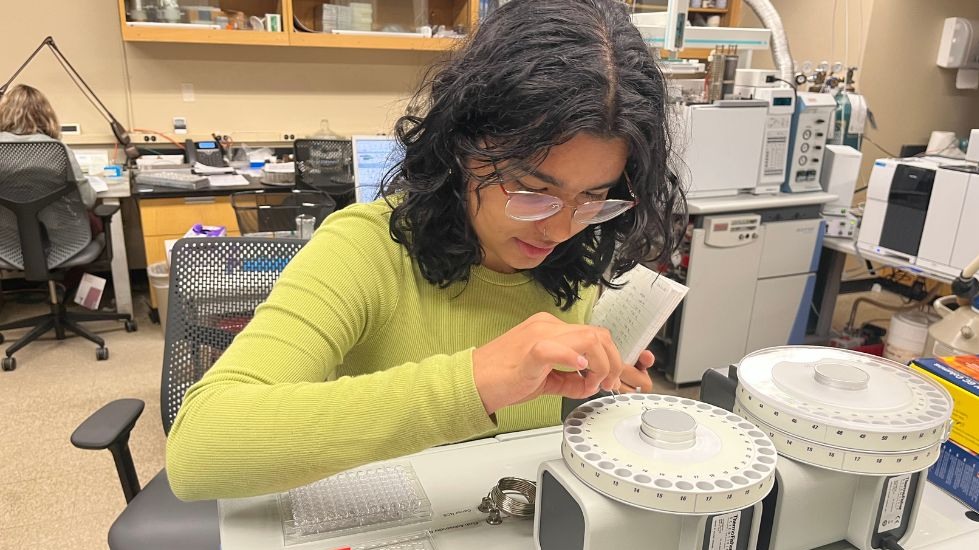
(326, 165)
(44, 231)
(216, 284)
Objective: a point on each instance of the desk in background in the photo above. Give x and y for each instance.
(118, 188)
(167, 213)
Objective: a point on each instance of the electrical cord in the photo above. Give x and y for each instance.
(889, 542)
(771, 78)
(161, 134)
(874, 143)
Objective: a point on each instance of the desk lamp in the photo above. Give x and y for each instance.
(120, 133)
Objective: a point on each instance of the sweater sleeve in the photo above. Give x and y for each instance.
(270, 415)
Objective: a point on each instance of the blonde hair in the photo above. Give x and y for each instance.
(24, 110)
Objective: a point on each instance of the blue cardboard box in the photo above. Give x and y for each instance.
(957, 473)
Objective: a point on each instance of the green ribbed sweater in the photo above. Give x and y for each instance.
(353, 358)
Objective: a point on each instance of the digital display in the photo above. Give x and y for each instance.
(782, 101)
(207, 145)
(373, 158)
(720, 227)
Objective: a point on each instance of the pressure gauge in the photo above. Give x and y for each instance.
(837, 67)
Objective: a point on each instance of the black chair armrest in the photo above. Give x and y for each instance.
(109, 428)
(105, 210)
(718, 390)
(109, 425)
(105, 213)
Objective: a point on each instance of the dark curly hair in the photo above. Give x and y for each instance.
(535, 74)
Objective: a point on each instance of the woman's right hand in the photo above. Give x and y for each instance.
(533, 359)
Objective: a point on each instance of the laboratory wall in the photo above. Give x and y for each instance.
(894, 43)
(908, 93)
(819, 30)
(254, 93)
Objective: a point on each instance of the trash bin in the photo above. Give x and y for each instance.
(159, 275)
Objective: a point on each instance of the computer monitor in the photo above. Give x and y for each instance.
(373, 156)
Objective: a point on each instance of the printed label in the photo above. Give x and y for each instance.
(724, 530)
(895, 499)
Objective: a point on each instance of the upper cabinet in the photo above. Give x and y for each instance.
(203, 22)
(428, 25)
(381, 24)
(371, 24)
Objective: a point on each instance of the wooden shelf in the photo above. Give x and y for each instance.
(462, 12)
(371, 42)
(203, 36)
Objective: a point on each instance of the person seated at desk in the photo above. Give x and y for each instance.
(454, 307)
(26, 115)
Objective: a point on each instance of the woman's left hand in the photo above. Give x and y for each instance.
(636, 379)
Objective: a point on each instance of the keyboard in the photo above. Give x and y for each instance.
(165, 178)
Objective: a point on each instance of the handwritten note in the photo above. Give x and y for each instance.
(636, 312)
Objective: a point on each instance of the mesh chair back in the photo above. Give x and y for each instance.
(275, 211)
(36, 185)
(215, 285)
(326, 165)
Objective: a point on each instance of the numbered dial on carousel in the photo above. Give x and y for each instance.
(844, 410)
(669, 454)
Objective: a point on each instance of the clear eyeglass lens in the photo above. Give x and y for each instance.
(601, 211)
(529, 206)
(532, 206)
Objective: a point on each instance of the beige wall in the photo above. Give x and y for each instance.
(87, 32)
(254, 93)
(258, 93)
(812, 34)
(908, 93)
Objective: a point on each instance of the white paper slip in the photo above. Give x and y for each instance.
(98, 184)
(230, 180)
(636, 312)
(206, 170)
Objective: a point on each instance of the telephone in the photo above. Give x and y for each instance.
(210, 153)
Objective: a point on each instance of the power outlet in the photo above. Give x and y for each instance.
(179, 125)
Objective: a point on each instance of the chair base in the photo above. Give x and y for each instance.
(61, 321)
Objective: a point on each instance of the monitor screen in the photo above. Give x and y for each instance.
(373, 157)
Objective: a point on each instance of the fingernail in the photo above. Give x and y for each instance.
(582, 361)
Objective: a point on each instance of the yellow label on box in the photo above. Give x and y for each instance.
(965, 395)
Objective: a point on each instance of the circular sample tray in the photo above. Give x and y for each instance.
(844, 410)
(669, 454)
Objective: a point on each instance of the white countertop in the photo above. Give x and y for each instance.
(738, 203)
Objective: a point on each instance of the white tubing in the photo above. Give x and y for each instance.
(780, 43)
(971, 269)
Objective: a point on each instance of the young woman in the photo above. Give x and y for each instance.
(455, 307)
